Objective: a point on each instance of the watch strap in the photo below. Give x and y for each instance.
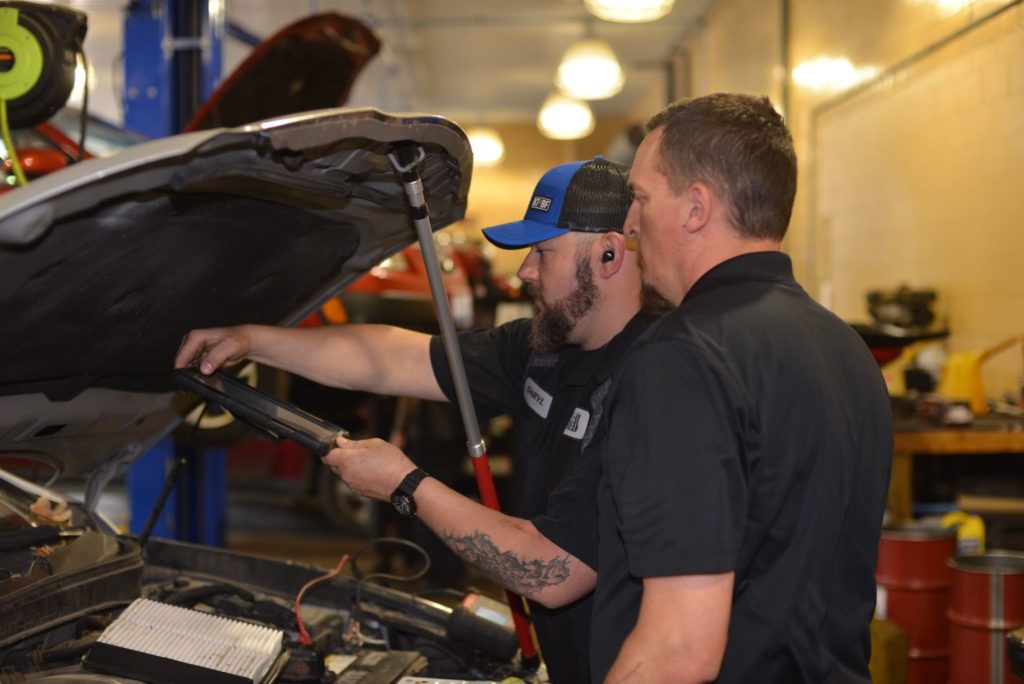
(408, 486)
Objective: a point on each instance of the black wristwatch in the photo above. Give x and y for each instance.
(401, 498)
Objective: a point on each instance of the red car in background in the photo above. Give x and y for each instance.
(397, 291)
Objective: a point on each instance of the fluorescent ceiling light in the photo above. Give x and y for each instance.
(563, 118)
(590, 71)
(946, 7)
(488, 147)
(629, 11)
(831, 74)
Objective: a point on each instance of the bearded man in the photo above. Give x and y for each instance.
(549, 373)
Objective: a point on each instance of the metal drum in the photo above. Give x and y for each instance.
(987, 602)
(914, 580)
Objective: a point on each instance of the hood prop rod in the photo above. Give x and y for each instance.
(405, 159)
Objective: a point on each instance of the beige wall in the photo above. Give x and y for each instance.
(917, 178)
(739, 49)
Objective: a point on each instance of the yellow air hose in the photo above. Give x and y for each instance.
(5, 129)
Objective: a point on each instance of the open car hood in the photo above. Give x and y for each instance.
(104, 266)
(310, 64)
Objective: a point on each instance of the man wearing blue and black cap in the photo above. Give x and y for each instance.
(550, 373)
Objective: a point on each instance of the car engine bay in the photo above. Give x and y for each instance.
(66, 577)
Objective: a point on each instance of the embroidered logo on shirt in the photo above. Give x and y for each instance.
(540, 203)
(536, 398)
(577, 425)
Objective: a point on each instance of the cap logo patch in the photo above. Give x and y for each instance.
(540, 203)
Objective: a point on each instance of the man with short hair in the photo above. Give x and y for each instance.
(748, 435)
(550, 373)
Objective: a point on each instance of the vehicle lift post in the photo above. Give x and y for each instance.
(172, 62)
(405, 159)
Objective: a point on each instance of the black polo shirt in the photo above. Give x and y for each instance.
(556, 401)
(749, 430)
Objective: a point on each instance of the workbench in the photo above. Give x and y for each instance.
(913, 438)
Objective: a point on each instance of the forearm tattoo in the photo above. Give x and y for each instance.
(526, 577)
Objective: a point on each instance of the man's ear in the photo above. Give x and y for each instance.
(611, 250)
(697, 206)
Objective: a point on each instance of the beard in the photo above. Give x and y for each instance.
(551, 327)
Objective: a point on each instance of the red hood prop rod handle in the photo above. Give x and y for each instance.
(405, 160)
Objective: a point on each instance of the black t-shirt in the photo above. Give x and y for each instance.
(750, 431)
(556, 401)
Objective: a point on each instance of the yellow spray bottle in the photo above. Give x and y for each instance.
(970, 532)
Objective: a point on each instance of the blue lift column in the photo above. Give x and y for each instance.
(173, 57)
(196, 510)
(172, 64)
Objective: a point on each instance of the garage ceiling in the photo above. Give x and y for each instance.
(480, 61)
(475, 61)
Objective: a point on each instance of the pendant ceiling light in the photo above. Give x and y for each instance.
(629, 11)
(488, 147)
(831, 74)
(590, 71)
(564, 118)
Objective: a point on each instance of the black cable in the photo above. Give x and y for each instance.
(161, 500)
(169, 482)
(362, 579)
(83, 119)
(354, 560)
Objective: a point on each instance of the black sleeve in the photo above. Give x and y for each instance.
(674, 463)
(570, 519)
(495, 362)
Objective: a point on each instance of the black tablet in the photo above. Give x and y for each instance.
(261, 409)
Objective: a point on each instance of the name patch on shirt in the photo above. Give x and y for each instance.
(536, 398)
(577, 426)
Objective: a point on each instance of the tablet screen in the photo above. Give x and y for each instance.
(261, 409)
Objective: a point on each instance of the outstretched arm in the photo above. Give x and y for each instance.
(510, 550)
(376, 358)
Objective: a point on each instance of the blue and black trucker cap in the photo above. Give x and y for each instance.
(586, 196)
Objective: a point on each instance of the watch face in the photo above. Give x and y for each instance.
(402, 504)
